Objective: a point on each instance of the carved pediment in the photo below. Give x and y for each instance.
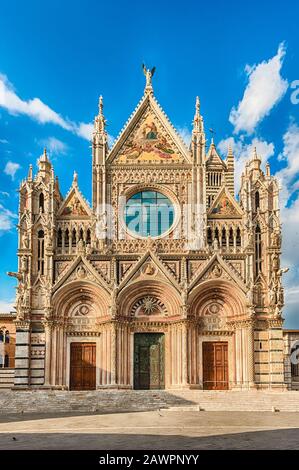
(80, 270)
(149, 267)
(149, 138)
(74, 205)
(225, 206)
(217, 268)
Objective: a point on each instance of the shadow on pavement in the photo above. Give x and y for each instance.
(281, 439)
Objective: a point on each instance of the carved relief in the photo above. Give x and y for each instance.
(74, 207)
(148, 306)
(148, 142)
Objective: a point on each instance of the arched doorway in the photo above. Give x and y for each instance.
(76, 345)
(147, 306)
(215, 305)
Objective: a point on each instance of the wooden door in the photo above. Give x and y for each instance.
(83, 366)
(149, 361)
(215, 365)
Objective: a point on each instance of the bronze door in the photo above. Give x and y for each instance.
(215, 365)
(83, 366)
(149, 361)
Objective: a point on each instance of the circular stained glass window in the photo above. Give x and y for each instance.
(149, 214)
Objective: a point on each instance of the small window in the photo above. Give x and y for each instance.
(7, 338)
(257, 200)
(88, 237)
(223, 239)
(74, 240)
(41, 202)
(59, 238)
(66, 238)
(40, 251)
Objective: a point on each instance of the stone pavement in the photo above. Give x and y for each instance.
(151, 430)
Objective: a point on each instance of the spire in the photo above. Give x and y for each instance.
(255, 155)
(44, 164)
(149, 73)
(44, 156)
(29, 178)
(197, 121)
(100, 121)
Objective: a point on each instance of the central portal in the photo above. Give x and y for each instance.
(149, 361)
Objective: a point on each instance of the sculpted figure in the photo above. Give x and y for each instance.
(148, 75)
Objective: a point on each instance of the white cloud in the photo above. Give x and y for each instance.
(244, 151)
(3, 141)
(37, 110)
(7, 306)
(85, 130)
(288, 176)
(6, 219)
(11, 168)
(265, 89)
(54, 146)
(185, 134)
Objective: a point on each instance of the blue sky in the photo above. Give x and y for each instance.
(57, 57)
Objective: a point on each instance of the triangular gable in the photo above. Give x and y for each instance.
(218, 269)
(81, 269)
(74, 205)
(225, 206)
(261, 280)
(213, 158)
(150, 266)
(149, 137)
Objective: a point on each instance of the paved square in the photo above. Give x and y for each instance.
(151, 430)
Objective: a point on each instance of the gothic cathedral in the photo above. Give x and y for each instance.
(166, 282)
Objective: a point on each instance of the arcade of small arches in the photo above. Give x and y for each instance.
(69, 235)
(227, 236)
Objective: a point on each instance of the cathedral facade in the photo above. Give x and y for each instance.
(167, 281)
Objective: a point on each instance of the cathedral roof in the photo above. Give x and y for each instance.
(213, 158)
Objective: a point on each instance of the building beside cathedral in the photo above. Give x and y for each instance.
(166, 281)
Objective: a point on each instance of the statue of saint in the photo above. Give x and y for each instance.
(148, 76)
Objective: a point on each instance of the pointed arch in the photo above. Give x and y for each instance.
(160, 290)
(229, 297)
